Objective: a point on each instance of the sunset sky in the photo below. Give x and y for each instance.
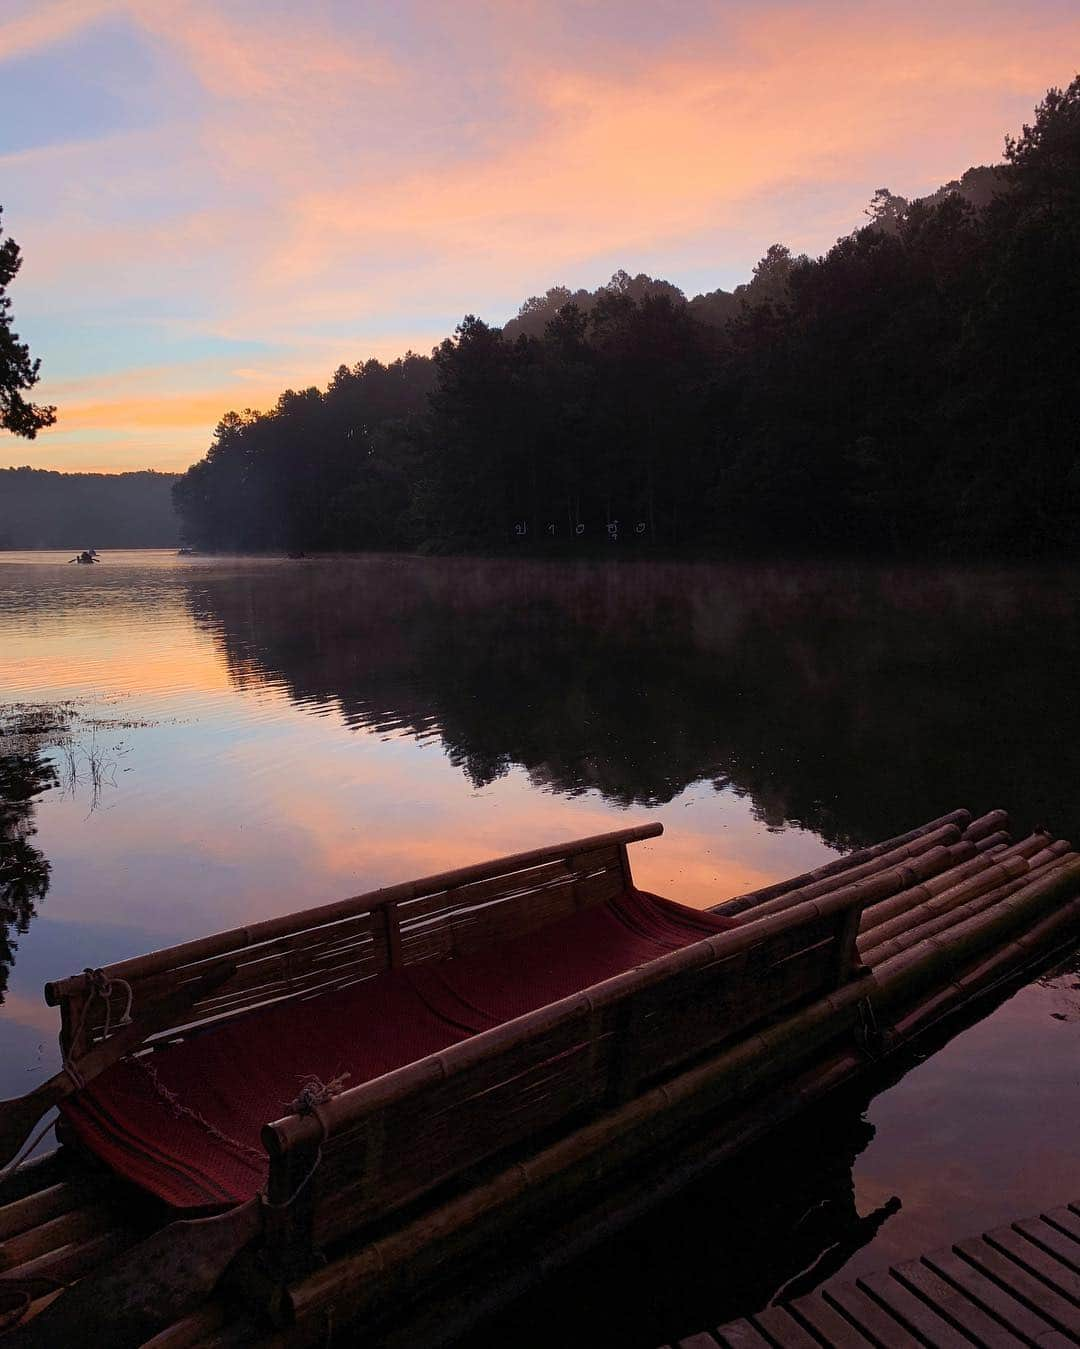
(219, 198)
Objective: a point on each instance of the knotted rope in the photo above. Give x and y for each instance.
(313, 1093)
(103, 987)
(99, 986)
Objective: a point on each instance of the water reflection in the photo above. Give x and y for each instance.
(24, 871)
(775, 1225)
(303, 730)
(850, 702)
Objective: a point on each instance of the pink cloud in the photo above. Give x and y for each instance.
(331, 181)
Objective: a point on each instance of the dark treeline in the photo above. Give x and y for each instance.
(44, 509)
(914, 390)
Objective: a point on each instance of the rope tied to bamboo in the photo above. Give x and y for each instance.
(100, 986)
(103, 986)
(313, 1093)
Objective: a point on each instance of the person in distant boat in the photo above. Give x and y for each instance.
(85, 556)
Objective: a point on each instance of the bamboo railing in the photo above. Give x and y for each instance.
(317, 950)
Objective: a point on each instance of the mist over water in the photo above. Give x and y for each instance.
(250, 736)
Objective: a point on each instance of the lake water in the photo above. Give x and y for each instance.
(245, 737)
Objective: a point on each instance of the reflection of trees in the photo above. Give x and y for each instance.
(731, 1243)
(854, 702)
(24, 871)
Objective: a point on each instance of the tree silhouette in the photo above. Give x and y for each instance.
(18, 369)
(911, 392)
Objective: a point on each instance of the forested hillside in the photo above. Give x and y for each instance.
(915, 390)
(42, 509)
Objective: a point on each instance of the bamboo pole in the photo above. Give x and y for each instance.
(175, 957)
(889, 911)
(992, 841)
(1058, 848)
(43, 1205)
(1027, 847)
(1055, 931)
(937, 956)
(987, 824)
(67, 1263)
(76, 1225)
(932, 885)
(841, 864)
(942, 923)
(195, 1329)
(36, 1174)
(946, 911)
(927, 859)
(929, 924)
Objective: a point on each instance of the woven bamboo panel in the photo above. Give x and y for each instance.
(413, 1139)
(411, 1146)
(458, 922)
(679, 1019)
(314, 960)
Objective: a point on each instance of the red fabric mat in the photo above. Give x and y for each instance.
(185, 1123)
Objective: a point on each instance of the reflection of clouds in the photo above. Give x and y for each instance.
(32, 1014)
(234, 816)
(985, 1127)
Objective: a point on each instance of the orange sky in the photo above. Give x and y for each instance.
(218, 198)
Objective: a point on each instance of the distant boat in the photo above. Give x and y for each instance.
(87, 556)
(185, 552)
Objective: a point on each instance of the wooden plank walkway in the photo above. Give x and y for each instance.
(1016, 1285)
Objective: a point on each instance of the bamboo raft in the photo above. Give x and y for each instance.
(371, 1219)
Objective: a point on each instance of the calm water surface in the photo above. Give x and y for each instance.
(246, 737)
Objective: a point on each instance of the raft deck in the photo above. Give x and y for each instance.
(1016, 1285)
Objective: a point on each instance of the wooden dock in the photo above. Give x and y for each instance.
(1016, 1285)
